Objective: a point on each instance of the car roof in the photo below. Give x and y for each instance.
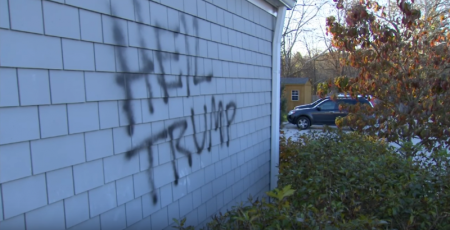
(360, 99)
(340, 97)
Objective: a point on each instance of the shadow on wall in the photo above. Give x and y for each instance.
(223, 116)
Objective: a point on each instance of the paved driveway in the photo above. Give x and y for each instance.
(291, 130)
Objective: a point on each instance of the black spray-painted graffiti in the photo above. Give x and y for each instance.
(220, 116)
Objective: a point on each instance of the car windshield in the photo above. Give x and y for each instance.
(326, 105)
(311, 104)
(317, 101)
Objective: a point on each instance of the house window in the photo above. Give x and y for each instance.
(294, 95)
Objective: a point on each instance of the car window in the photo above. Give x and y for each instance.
(327, 105)
(364, 102)
(351, 102)
(317, 101)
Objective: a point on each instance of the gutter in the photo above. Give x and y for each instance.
(275, 128)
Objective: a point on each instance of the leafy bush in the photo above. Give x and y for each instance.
(257, 214)
(283, 106)
(349, 177)
(403, 60)
(334, 180)
(260, 214)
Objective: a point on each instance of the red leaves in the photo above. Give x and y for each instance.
(374, 86)
(402, 63)
(353, 32)
(436, 61)
(357, 15)
(410, 15)
(445, 85)
(339, 4)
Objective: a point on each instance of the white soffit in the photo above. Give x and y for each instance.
(287, 3)
(264, 5)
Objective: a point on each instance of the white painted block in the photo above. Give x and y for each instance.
(50, 217)
(61, 20)
(9, 90)
(88, 176)
(30, 192)
(26, 15)
(76, 209)
(57, 152)
(15, 161)
(19, 124)
(59, 184)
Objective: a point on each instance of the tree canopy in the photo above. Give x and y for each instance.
(403, 58)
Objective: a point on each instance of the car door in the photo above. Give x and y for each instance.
(324, 113)
(343, 112)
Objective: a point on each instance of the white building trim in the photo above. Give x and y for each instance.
(275, 128)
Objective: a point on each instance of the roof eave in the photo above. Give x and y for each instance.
(277, 3)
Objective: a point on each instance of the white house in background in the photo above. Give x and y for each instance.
(125, 114)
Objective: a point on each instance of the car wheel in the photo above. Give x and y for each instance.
(303, 123)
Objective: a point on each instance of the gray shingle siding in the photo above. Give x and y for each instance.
(90, 89)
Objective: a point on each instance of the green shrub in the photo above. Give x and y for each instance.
(283, 106)
(335, 180)
(348, 177)
(257, 214)
(260, 214)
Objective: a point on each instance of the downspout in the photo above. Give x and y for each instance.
(275, 128)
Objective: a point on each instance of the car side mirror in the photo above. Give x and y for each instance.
(318, 108)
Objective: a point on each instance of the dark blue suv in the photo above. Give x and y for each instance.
(323, 113)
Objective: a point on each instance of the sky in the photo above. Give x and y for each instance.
(317, 28)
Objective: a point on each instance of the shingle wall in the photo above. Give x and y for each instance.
(122, 114)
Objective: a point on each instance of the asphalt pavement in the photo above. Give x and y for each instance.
(291, 130)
